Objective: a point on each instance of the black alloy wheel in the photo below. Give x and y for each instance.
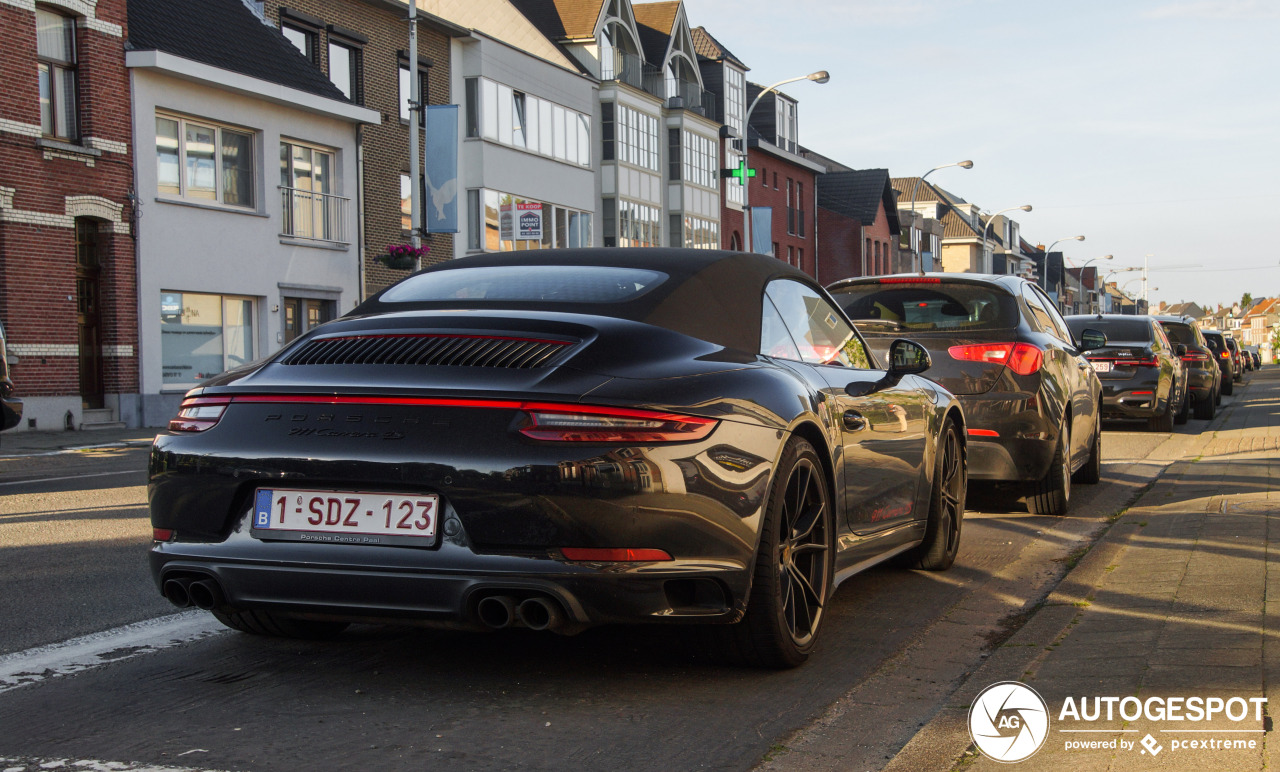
(946, 506)
(1051, 493)
(1091, 472)
(792, 581)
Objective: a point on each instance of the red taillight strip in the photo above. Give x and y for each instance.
(672, 427)
(494, 404)
(984, 433)
(335, 399)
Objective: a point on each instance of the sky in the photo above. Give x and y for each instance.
(1151, 127)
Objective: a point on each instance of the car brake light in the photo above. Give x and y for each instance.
(1225, 355)
(573, 423)
(1022, 358)
(911, 280)
(1197, 356)
(1145, 363)
(613, 555)
(199, 413)
(983, 433)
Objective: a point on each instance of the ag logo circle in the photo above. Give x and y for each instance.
(1008, 721)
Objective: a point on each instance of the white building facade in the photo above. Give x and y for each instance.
(250, 219)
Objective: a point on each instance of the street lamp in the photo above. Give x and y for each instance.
(1054, 244)
(987, 230)
(1087, 263)
(915, 254)
(819, 77)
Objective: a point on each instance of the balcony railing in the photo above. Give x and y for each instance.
(678, 93)
(310, 215)
(631, 70)
(690, 96)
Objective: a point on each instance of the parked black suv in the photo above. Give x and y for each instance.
(1218, 342)
(10, 406)
(1204, 379)
(1142, 373)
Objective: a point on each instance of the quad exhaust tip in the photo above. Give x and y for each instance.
(536, 613)
(184, 592)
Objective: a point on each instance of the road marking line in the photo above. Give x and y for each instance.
(96, 649)
(23, 764)
(73, 477)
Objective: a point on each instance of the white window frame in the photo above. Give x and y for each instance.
(255, 338)
(219, 180)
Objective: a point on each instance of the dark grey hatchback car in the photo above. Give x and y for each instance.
(1031, 401)
(1142, 373)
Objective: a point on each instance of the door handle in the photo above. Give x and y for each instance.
(854, 421)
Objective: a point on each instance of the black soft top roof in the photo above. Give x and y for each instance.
(712, 295)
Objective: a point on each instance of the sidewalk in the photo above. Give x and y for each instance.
(42, 443)
(1178, 599)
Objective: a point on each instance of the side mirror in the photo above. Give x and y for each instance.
(906, 357)
(1180, 350)
(1091, 339)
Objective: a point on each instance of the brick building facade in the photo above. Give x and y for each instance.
(375, 37)
(67, 260)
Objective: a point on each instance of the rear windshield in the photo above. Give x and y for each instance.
(928, 307)
(1114, 329)
(542, 283)
(1215, 340)
(1180, 333)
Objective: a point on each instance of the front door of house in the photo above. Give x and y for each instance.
(301, 314)
(89, 248)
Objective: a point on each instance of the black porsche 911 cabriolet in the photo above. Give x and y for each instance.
(560, 439)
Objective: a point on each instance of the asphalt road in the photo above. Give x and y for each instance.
(74, 533)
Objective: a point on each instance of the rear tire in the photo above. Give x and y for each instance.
(1051, 494)
(794, 568)
(1091, 472)
(1185, 412)
(1227, 387)
(1162, 422)
(266, 623)
(1207, 407)
(946, 505)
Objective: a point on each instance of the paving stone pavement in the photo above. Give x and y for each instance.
(1179, 599)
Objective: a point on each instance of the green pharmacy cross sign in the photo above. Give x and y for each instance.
(742, 172)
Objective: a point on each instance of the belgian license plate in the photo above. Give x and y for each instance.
(1101, 367)
(345, 517)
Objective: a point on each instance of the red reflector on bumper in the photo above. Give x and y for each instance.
(162, 534)
(983, 433)
(613, 555)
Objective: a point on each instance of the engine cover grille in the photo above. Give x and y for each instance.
(429, 350)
